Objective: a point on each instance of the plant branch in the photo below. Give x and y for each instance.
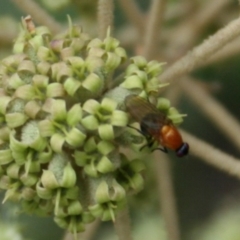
(153, 27)
(88, 234)
(202, 52)
(215, 111)
(39, 14)
(166, 195)
(105, 17)
(122, 225)
(212, 155)
(133, 13)
(230, 50)
(185, 35)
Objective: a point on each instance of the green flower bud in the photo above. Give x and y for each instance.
(105, 165)
(4, 133)
(90, 145)
(96, 42)
(154, 68)
(28, 179)
(57, 142)
(36, 42)
(90, 122)
(13, 170)
(175, 116)
(26, 92)
(96, 210)
(74, 208)
(163, 104)
(58, 110)
(43, 68)
(66, 53)
(94, 63)
(75, 226)
(26, 67)
(91, 169)
(69, 177)
(91, 106)
(139, 61)
(49, 180)
(71, 85)
(46, 128)
(45, 156)
(45, 54)
(106, 132)
(5, 182)
(112, 61)
(74, 115)
(55, 90)
(4, 101)
(108, 214)
(132, 82)
(61, 222)
(32, 108)
(119, 118)
(28, 193)
(105, 147)
(14, 82)
(16, 119)
(75, 137)
(12, 193)
(42, 192)
(5, 156)
(93, 83)
(60, 71)
(136, 182)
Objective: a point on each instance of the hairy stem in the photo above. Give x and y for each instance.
(202, 52)
(212, 155)
(212, 109)
(122, 225)
(166, 195)
(153, 28)
(105, 17)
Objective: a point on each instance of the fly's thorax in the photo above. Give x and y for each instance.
(151, 124)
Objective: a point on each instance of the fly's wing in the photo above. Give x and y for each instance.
(138, 107)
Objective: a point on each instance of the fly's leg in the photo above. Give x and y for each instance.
(161, 149)
(150, 141)
(136, 129)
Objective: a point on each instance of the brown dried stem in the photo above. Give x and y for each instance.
(202, 52)
(105, 17)
(212, 155)
(166, 195)
(40, 16)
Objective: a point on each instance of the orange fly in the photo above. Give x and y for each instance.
(155, 125)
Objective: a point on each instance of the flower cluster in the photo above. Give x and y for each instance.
(62, 122)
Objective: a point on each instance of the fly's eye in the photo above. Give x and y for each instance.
(183, 150)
